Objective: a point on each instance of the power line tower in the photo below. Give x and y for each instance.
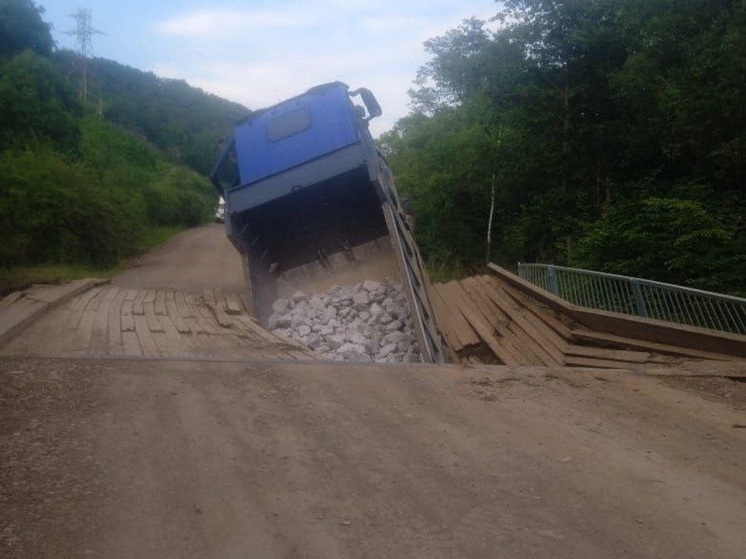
(84, 33)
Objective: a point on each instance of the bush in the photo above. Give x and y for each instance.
(666, 239)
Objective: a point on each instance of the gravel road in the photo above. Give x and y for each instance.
(156, 458)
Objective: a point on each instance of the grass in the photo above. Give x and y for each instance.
(153, 236)
(21, 277)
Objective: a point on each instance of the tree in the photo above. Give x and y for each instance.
(37, 105)
(22, 28)
(589, 114)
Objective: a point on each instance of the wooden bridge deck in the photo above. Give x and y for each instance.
(496, 319)
(110, 321)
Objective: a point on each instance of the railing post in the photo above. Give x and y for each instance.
(640, 307)
(553, 283)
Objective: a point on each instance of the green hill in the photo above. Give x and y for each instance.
(87, 184)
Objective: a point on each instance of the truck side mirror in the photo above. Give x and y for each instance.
(371, 104)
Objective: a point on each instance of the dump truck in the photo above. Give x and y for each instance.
(310, 202)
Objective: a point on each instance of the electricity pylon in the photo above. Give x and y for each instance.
(84, 34)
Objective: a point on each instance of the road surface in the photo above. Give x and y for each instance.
(197, 259)
(193, 457)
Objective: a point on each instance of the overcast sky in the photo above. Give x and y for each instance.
(258, 52)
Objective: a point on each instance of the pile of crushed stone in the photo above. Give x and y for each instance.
(366, 322)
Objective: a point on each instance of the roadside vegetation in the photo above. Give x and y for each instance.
(613, 132)
(84, 185)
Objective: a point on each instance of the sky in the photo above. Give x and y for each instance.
(259, 52)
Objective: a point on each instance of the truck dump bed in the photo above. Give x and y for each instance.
(310, 202)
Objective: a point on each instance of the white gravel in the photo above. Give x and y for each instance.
(366, 322)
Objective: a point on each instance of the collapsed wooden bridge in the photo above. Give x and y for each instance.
(501, 319)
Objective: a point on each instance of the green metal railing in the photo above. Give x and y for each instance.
(640, 297)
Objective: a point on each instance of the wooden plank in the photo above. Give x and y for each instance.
(677, 335)
(209, 297)
(160, 303)
(144, 337)
(459, 327)
(196, 326)
(127, 316)
(587, 336)
(130, 295)
(81, 302)
(573, 361)
(491, 311)
(513, 339)
(547, 348)
(732, 370)
(482, 328)
(610, 354)
(114, 319)
(82, 335)
(464, 330)
(221, 317)
(208, 320)
(149, 296)
(170, 341)
(100, 330)
(233, 304)
(444, 320)
(174, 315)
(131, 343)
(185, 309)
(137, 304)
(543, 314)
(153, 321)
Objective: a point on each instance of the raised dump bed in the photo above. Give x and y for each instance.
(310, 202)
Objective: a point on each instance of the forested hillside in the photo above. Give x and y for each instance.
(88, 183)
(185, 122)
(613, 132)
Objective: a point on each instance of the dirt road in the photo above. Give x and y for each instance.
(152, 458)
(197, 259)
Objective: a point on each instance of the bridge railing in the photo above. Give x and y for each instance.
(641, 297)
